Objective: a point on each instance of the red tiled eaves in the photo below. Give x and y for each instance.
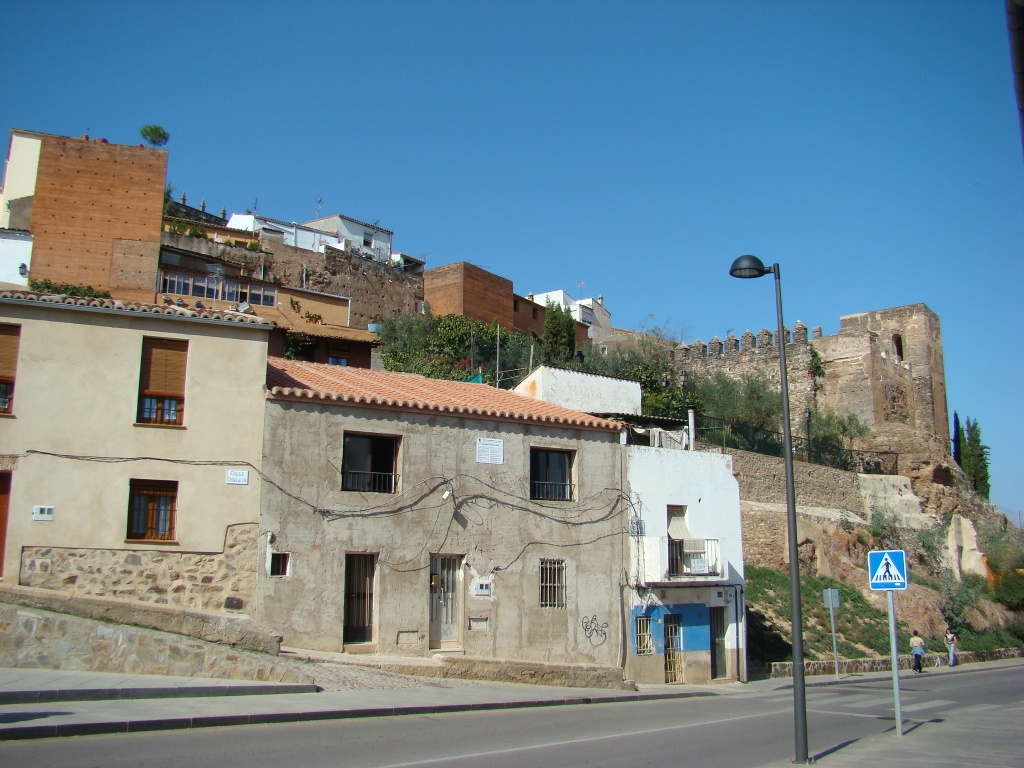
(134, 306)
(406, 391)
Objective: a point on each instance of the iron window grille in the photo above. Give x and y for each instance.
(644, 640)
(552, 583)
(152, 505)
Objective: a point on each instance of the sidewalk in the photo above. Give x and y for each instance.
(44, 704)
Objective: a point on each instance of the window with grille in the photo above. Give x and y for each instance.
(162, 382)
(644, 641)
(10, 336)
(551, 475)
(369, 463)
(151, 509)
(552, 583)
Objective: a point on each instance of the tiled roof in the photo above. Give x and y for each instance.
(134, 306)
(407, 391)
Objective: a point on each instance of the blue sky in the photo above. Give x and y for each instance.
(870, 148)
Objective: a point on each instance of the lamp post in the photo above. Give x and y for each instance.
(748, 267)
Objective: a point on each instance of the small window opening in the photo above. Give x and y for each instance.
(279, 562)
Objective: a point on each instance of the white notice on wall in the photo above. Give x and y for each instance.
(490, 451)
(237, 477)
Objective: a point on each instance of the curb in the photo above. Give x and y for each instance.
(183, 723)
(116, 694)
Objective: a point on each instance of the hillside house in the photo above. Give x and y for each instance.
(409, 515)
(683, 596)
(131, 442)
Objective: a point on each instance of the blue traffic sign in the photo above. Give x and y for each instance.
(887, 569)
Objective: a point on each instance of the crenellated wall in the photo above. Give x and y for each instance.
(882, 366)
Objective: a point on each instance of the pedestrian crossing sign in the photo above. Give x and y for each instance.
(887, 569)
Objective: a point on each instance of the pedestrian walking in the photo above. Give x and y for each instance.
(917, 651)
(951, 646)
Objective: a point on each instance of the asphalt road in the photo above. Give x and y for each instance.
(739, 730)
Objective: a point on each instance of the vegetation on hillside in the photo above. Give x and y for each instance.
(67, 289)
(974, 457)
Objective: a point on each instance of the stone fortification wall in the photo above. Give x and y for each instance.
(31, 638)
(209, 581)
(883, 366)
(763, 479)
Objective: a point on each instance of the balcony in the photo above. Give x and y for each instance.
(692, 558)
(369, 482)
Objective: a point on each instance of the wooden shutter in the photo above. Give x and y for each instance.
(163, 366)
(9, 337)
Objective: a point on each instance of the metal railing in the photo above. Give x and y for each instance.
(368, 482)
(826, 452)
(551, 491)
(693, 557)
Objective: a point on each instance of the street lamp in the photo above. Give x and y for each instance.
(747, 267)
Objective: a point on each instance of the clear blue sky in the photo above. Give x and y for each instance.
(871, 148)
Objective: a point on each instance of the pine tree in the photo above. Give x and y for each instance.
(559, 335)
(974, 458)
(956, 437)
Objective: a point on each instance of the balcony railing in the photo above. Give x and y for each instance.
(551, 491)
(693, 557)
(368, 482)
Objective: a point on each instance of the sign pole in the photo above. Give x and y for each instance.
(835, 646)
(895, 651)
(887, 570)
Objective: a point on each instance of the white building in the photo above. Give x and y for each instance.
(591, 312)
(336, 231)
(683, 595)
(15, 256)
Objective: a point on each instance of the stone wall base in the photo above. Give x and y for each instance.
(849, 666)
(505, 671)
(31, 638)
(235, 630)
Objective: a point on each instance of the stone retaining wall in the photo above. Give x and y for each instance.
(849, 666)
(208, 581)
(237, 631)
(34, 639)
(763, 479)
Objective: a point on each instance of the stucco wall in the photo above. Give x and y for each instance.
(74, 428)
(487, 518)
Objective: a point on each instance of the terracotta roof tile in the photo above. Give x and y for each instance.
(134, 306)
(407, 391)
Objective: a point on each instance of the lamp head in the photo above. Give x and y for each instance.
(748, 266)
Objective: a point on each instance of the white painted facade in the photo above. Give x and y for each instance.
(335, 231)
(591, 312)
(582, 391)
(15, 256)
(19, 172)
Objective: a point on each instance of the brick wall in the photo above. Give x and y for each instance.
(89, 194)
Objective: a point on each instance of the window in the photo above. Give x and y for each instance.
(369, 464)
(332, 360)
(151, 508)
(644, 641)
(367, 239)
(552, 583)
(279, 563)
(551, 475)
(10, 336)
(162, 382)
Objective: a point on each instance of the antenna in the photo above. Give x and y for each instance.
(319, 203)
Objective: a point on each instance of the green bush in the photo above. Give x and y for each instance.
(1010, 591)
